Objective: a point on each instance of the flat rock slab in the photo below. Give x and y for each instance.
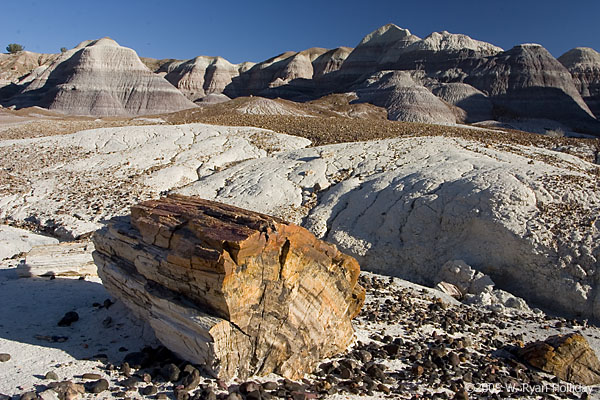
(62, 259)
(239, 292)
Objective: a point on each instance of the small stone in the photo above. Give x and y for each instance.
(29, 396)
(4, 357)
(454, 359)
(126, 369)
(253, 395)
(68, 319)
(234, 396)
(91, 376)
(170, 372)
(191, 381)
(149, 390)
(51, 375)
(269, 386)
(98, 386)
(161, 396)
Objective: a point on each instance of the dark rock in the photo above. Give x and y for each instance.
(170, 372)
(91, 376)
(137, 359)
(149, 390)
(98, 386)
(253, 395)
(4, 357)
(269, 386)
(68, 319)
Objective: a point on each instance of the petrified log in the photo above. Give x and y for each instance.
(239, 292)
(568, 357)
(61, 259)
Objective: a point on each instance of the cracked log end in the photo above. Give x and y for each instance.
(239, 292)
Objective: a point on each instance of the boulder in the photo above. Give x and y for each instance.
(238, 292)
(568, 357)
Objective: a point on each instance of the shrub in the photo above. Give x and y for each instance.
(63, 49)
(14, 48)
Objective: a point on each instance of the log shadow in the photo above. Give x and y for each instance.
(32, 308)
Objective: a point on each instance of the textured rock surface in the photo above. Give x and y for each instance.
(70, 183)
(101, 78)
(62, 259)
(568, 357)
(330, 61)
(584, 65)
(256, 295)
(405, 99)
(527, 217)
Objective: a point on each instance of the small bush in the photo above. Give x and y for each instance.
(14, 48)
(63, 49)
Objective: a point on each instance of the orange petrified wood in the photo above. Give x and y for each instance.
(242, 292)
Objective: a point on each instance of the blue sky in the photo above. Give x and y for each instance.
(257, 30)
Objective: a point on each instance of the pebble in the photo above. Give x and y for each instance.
(149, 390)
(91, 376)
(51, 375)
(98, 386)
(170, 372)
(68, 319)
(4, 357)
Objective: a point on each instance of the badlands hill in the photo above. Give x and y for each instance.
(444, 77)
(99, 78)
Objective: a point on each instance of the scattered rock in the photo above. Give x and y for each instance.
(68, 319)
(4, 357)
(67, 390)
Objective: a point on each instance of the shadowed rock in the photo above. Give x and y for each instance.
(239, 292)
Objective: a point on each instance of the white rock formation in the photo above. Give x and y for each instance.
(82, 178)
(528, 218)
(201, 76)
(101, 78)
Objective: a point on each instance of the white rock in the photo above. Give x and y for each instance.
(14, 241)
(62, 259)
(407, 206)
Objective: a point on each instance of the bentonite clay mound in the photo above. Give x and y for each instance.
(239, 292)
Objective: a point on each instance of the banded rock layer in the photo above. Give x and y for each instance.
(239, 292)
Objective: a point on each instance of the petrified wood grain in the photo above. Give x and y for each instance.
(61, 259)
(239, 292)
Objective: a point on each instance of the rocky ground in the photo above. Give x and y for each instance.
(412, 343)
